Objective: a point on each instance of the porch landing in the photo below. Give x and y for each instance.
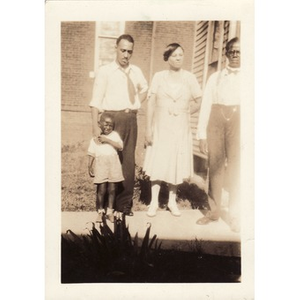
(180, 233)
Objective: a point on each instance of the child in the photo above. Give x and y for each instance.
(107, 170)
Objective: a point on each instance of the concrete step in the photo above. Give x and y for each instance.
(180, 233)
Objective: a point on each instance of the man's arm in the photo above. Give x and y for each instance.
(95, 127)
(205, 109)
(143, 97)
(99, 90)
(142, 86)
(204, 114)
(104, 139)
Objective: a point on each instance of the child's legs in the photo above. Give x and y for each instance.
(112, 186)
(100, 194)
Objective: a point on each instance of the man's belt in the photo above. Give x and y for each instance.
(127, 110)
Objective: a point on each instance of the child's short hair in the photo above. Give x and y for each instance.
(105, 115)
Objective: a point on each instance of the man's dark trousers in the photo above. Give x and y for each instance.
(126, 126)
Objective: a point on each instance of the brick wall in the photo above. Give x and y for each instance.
(173, 32)
(161, 34)
(78, 46)
(77, 60)
(142, 34)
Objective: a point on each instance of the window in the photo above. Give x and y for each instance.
(106, 35)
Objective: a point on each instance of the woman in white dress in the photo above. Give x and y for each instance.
(173, 96)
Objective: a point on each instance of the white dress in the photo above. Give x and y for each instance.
(170, 158)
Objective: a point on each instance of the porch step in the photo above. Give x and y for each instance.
(179, 233)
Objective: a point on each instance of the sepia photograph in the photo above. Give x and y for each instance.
(150, 165)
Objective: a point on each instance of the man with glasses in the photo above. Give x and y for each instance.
(119, 88)
(219, 137)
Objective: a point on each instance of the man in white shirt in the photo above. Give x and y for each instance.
(219, 136)
(120, 88)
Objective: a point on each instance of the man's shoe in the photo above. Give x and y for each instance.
(206, 220)
(235, 225)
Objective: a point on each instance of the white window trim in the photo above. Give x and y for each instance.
(97, 43)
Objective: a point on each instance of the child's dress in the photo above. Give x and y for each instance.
(107, 166)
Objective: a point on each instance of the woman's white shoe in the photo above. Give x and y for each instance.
(174, 210)
(152, 211)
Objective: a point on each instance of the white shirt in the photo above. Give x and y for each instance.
(223, 87)
(96, 150)
(110, 87)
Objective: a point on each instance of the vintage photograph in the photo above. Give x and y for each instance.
(151, 152)
(134, 150)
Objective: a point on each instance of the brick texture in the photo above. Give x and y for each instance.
(173, 32)
(142, 34)
(151, 38)
(77, 60)
(160, 34)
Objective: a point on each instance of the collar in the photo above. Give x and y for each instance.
(232, 70)
(116, 66)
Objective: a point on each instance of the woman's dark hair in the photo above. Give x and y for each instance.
(127, 37)
(231, 42)
(170, 49)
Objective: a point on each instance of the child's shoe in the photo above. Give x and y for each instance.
(100, 216)
(110, 215)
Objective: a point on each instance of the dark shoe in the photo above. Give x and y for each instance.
(128, 212)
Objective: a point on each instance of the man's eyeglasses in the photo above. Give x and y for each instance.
(234, 52)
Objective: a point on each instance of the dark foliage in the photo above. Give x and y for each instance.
(196, 196)
(106, 256)
(190, 192)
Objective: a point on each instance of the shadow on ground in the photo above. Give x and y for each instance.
(104, 255)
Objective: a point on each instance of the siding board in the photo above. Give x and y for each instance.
(198, 67)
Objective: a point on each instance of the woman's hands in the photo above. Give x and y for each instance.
(148, 139)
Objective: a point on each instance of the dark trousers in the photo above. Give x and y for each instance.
(223, 137)
(126, 126)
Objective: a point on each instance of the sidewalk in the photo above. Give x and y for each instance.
(181, 233)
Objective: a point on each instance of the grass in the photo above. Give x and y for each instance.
(78, 190)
